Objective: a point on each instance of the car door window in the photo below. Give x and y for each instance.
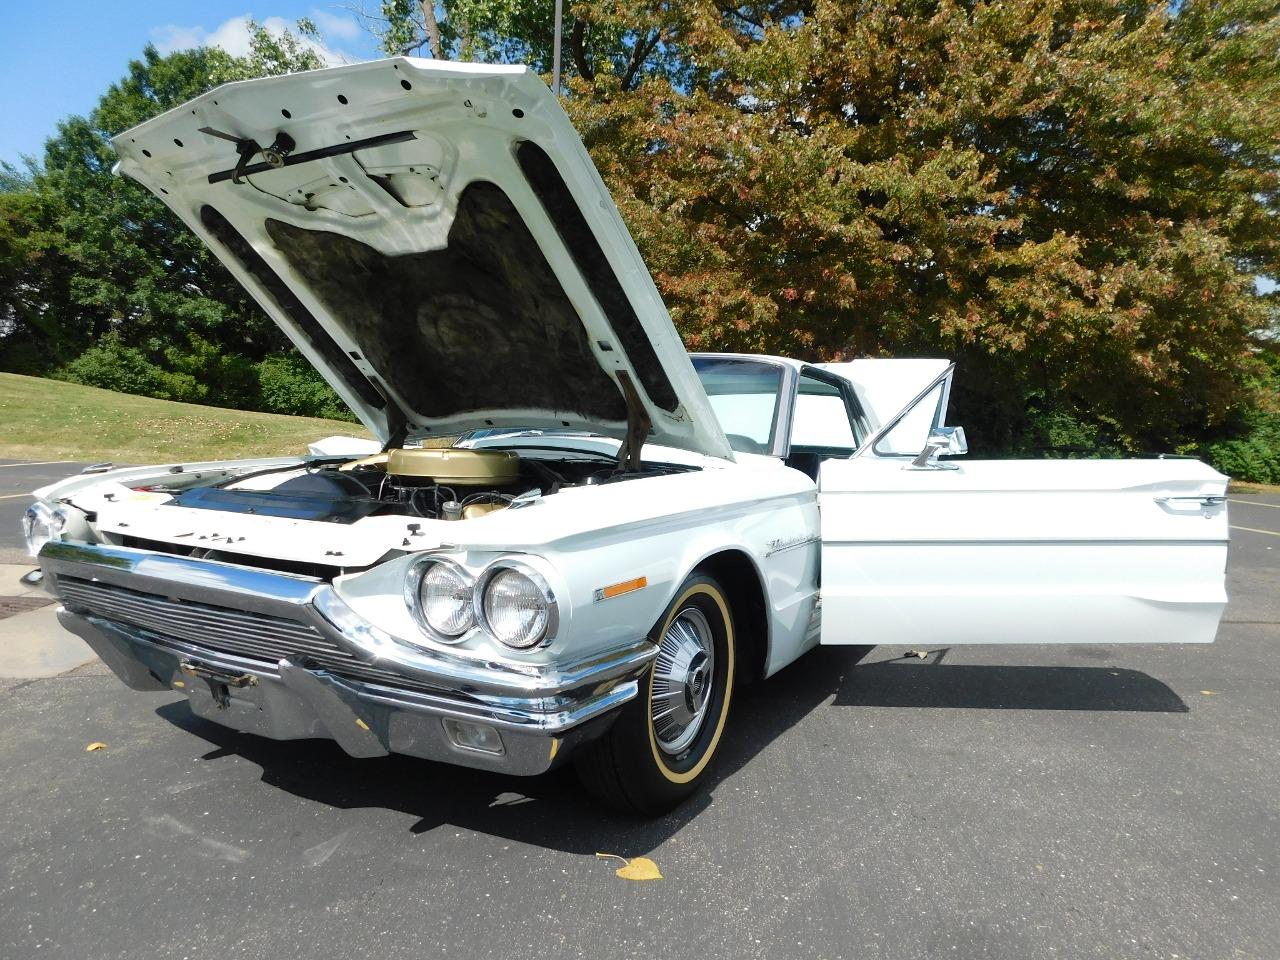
(744, 398)
(822, 417)
(908, 436)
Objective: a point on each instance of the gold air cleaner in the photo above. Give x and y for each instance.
(445, 465)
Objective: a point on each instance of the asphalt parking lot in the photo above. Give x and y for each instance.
(1017, 803)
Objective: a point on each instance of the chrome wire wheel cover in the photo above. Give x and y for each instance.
(682, 680)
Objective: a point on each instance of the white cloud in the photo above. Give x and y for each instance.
(335, 27)
(233, 35)
(172, 37)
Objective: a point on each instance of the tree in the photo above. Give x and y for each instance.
(599, 38)
(97, 256)
(408, 27)
(1071, 197)
(32, 273)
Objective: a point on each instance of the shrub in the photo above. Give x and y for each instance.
(1052, 432)
(1249, 448)
(113, 365)
(227, 379)
(200, 372)
(288, 384)
(1254, 457)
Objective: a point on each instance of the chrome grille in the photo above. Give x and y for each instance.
(254, 636)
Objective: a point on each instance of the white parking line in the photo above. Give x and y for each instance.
(35, 463)
(14, 496)
(1255, 503)
(1270, 533)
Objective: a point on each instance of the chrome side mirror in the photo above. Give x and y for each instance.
(942, 442)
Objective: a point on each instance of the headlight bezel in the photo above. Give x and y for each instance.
(545, 591)
(413, 585)
(52, 519)
(479, 574)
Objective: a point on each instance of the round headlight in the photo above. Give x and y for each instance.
(444, 600)
(40, 524)
(519, 608)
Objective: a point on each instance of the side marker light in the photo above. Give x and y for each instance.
(618, 589)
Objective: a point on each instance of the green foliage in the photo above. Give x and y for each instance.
(113, 365)
(225, 379)
(271, 55)
(1249, 448)
(1254, 457)
(35, 272)
(621, 42)
(1050, 431)
(288, 384)
(202, 372)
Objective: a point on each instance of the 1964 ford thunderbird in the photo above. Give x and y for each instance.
(572, 540)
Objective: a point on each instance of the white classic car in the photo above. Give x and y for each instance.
(619, 535)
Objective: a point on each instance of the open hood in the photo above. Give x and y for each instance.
(435, 239)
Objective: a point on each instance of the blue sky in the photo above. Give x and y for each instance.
(56, 58)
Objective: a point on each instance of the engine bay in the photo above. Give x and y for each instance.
(429, 483)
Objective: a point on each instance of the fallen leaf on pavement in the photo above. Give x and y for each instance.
(95, 746)
(637, 868)
(1210, 693)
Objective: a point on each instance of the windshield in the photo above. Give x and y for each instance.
(744, 397)
(743, 393)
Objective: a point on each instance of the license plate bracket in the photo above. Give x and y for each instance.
(220, 682)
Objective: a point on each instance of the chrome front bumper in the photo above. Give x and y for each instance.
(286, 671)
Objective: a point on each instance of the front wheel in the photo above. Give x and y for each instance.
(661, 747)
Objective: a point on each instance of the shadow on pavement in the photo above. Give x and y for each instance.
(893, 683)
(552, 811)
(548, 811)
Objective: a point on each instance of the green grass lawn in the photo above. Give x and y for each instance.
(51, 420)
(1240, 486)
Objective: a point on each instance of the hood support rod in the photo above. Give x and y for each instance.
(290, 159)
(638, 426)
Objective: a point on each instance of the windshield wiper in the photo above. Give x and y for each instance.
(603, 457)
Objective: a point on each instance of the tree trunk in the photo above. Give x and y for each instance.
(639, 52)
(433, 29)
(578, 50)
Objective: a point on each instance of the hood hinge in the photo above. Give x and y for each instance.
(638, 426)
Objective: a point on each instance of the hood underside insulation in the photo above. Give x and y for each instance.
(463, 328)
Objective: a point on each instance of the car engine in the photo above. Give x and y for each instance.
(435, 484)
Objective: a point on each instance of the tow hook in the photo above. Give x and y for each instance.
(220, 682)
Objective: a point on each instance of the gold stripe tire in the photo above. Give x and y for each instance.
(647, 766)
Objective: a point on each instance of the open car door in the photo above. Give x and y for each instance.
(919, 549)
